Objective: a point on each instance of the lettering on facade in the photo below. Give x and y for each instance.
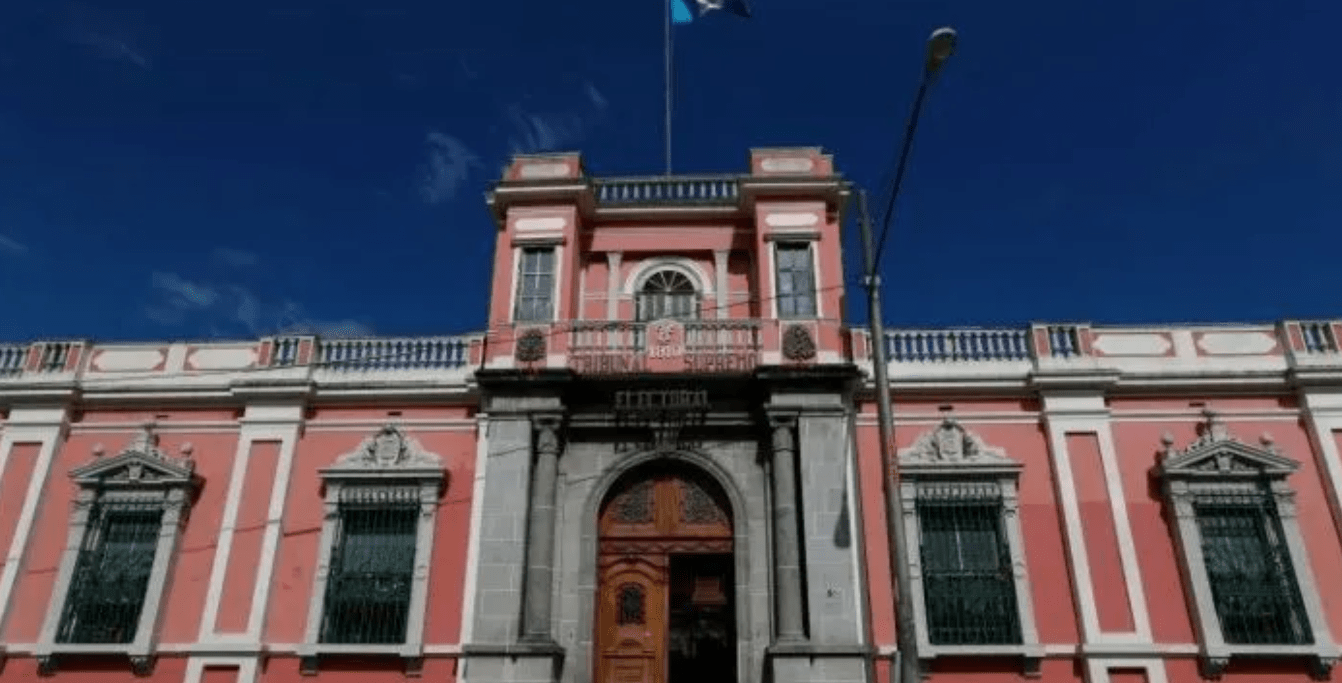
(658, 419)
(662, 347)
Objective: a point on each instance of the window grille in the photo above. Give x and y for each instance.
(372, 568)
(116, 556)
(969, 590)
(796, 280)
(1249, 568)
(535, 285)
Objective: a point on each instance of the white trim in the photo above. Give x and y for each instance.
(614, 259)
(1098, 670)
(1127, 544)
(249, 436)
(223, 548)
(722, 298)
(279, 495)
(48, 437)
(473, 540)
(195, 667)
(687, 267)
(1323, 414)
(1078, 559)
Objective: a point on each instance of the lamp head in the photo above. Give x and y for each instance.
(940, 47)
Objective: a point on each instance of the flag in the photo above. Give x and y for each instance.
(680, 10)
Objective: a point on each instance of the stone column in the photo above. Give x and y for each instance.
(787, 556)
(541, 531)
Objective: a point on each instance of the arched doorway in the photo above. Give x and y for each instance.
(666, 608)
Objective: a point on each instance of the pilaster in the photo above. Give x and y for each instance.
(47, 426)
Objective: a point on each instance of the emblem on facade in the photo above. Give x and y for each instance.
(950, 444)
(797, 344)
(1216, 450)
(530, 346)
(388, 448)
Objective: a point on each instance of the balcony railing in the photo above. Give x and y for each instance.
(410, 353)
(957, 346)
(673, 191)
(701, 337)
(1311, 349)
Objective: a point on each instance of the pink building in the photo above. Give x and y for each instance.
(659, 463)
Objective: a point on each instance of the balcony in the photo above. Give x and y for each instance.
(664, 191)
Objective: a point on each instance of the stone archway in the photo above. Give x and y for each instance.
(665, 603)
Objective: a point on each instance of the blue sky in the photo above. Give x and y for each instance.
(188, 170)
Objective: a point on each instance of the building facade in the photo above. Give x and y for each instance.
(660, 462)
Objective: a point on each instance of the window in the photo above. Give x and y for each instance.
(967, 585)
(971, 592)
(373, 557)
(372, 567)
(1246, 572)
(121, 544)
(667, 294)
(796, 280)
(111, 574)
(535, 285)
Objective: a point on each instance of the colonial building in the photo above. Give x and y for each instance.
(659, 462)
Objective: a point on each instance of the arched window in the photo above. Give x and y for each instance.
(667, 294)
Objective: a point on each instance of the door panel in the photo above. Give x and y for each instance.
(631, 621)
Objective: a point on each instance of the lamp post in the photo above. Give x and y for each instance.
(940, 46)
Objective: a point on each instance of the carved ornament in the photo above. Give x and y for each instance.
(952, 447)
(1216, 453)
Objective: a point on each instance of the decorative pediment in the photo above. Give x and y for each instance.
(387, 452)
(952, 448)
(1217, 453)
(140, 464)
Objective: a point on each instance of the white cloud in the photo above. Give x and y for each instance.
(102, 34)
(236, 258)
(227, 309)
(12, 246)
(553, 131)
(185, 294)
(449, 165)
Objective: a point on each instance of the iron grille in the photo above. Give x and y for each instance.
(968, 588)
(111, 575)
(1249, 568)
(372, 568)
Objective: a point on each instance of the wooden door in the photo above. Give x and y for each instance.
(631, 619)
(661, 513)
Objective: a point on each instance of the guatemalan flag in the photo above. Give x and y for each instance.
(680, 9)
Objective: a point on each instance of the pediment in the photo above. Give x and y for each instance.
(952, 448)
(140, 463)
(387, 453)
(1216, 452)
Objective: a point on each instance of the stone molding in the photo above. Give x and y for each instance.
(1218, 463)
(952, 457)
(385, 460)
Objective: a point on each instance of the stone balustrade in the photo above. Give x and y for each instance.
(1302, 347)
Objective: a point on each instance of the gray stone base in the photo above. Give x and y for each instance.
(803, 662)
(517, 663)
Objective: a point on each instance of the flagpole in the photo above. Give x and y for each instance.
(666, 17)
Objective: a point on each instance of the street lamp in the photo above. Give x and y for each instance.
(940, 46)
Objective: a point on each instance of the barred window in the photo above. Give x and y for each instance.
(969, 590)
(796, 280)
(372, 571)
(1249, 568)
(535, 285)
(116, 559)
